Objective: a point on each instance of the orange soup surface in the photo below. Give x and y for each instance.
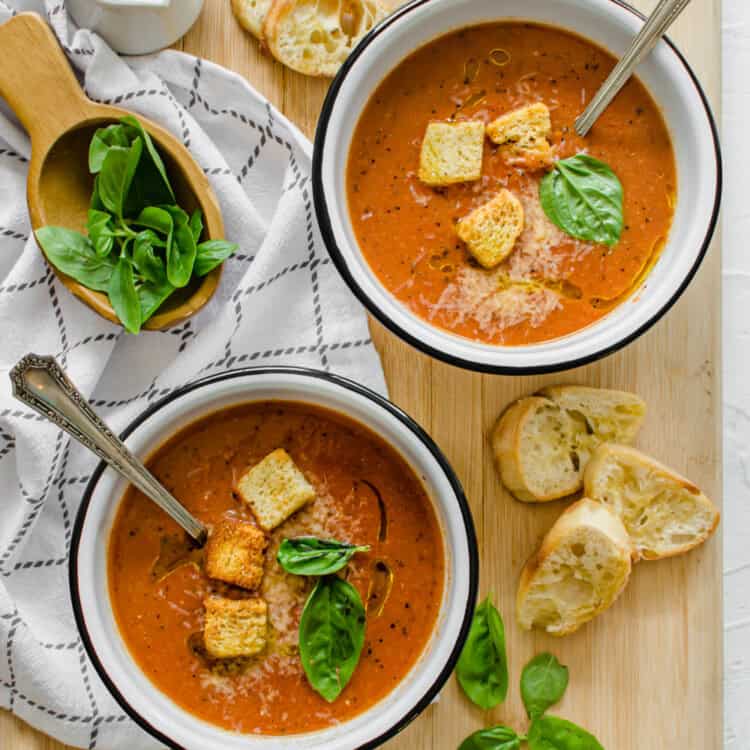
(366, 494)
(551, 284)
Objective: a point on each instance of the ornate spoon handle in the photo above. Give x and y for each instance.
(655, 27)
(43, 385)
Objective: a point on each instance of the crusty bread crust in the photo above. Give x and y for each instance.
(583, 514)
(630, 456)
(251, 15)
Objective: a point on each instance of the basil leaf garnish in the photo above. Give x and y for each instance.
(74, 255)
(212, 253)
(181, 256)
(151, 296)
(308, 556)
(103, 140)
(551, 733)
(583, 197)
(145, 259)
(123, 296)
(154, 172)
(543, 683)
(482, 669)
(331, 635)
(494, 738)
(117, 175)
(196, 225)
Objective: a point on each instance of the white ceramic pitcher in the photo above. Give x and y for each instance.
(136, 27)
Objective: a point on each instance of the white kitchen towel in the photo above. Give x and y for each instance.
(280, 301)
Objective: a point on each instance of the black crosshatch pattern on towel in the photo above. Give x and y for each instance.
(57, 482)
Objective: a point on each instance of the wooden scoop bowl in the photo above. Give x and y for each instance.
(40, 87)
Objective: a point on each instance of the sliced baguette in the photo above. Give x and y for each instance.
(543, 443)
(533, 448)
(664, 513)
(582, 566)
(251, 14)
(314, 37)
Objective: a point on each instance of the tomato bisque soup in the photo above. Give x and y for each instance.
(551, 283)
(365, 493)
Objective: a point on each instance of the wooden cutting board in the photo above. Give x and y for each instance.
(648, 674)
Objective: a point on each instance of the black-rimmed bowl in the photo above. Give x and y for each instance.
(153, 710)
(608, 23)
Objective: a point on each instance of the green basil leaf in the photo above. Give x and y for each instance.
(103, 140)
(123, 296)
(101, 231)
(116, 176)
(482, 669)
(146, 261)
(196, 225)
(155, 173)
(157, 219)
(74, 255)
(583, 197)
(543, 683)
(494, 738)
(96, 201)
(151, 297)
(308, 556)
(181, 256)
(331, 635)
(551, 733)
(211, 253)
(179, 217)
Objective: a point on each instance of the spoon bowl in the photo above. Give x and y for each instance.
(43, 92)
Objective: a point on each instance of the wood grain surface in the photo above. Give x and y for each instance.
(648, 674)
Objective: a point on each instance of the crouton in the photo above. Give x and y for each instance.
(451, 152)
(491, 231)
(234, 553)
(234, 627)
(274, 489)
(522, 135)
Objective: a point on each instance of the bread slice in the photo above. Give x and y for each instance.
(235, 553)
(533, 445)
(314, 37)
(451, 152)
(580, 569)
(664, 513)
(542, 444)
(251, 14)
(234, 627)
(522, 135)
(490, 231)
(274, 489)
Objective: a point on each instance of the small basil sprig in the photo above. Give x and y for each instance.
(543, 683)
(583, 197)
(309, 556)
(141, 245)
(551, 733)
(494, 738)
(331, 635)
(482, 668)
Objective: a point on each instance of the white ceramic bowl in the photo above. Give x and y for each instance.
(610, 24)
(154, 711)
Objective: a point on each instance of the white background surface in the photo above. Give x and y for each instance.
(736, 326)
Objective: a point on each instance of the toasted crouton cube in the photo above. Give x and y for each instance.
(451, 152)
(234, 553)
(274, 489)
(523, 134)
(491, 231)
(234, 627)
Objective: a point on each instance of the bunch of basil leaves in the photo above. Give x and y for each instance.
(482, 672)
(332, 626)
(583, 197)
(141, 246)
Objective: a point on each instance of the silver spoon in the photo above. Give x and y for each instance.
(43, 385)
(655, 27)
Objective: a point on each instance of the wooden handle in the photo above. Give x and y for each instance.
(37, 81)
